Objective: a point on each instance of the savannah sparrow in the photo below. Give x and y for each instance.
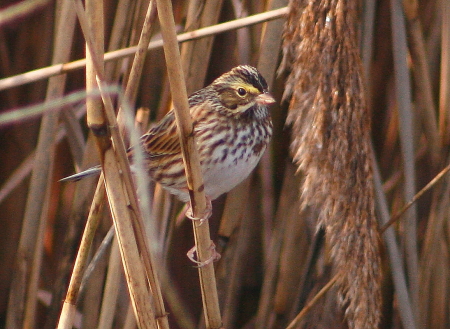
(232, 128)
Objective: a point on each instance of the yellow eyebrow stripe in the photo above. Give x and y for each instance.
(250, 89)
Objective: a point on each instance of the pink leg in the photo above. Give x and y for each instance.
(204, 216)
(215, 256)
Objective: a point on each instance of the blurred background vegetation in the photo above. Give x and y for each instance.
(274, 259)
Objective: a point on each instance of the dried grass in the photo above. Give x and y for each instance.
(331, 145)
(350, 94)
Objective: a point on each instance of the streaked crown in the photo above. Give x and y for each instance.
(245, 74)
(242, 88)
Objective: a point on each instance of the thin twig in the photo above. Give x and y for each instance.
(395, 259)
(29, 112)
(312, 302)
(416, 197)
(49, 71)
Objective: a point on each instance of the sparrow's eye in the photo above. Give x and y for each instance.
(242, 92)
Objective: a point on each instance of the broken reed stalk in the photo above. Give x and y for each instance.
(67, 315)
(122, 196)
(39, 179)
(331, 146)
(95, 214)
(113, 278)
(141, 175)
(192, 164)
(131, 89)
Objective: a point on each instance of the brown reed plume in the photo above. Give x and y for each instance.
(331, 145)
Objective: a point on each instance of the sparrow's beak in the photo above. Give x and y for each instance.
(265, 99)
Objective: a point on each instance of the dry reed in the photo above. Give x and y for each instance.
(331, 146)
(274, 260)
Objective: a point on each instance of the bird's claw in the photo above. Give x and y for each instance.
(204, 216)
(215, 256)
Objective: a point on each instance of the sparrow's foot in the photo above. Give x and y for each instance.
(215, 256)
(203, 217)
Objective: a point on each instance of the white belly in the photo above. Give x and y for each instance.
(221, 177)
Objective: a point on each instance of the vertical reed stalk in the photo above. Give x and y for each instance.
(444, 94)
(407, 137)
(69, 308)
(40, 175)
(192, 165)
(195, 55)
(421, 71)
(395, 258)
(123, 201)
(109, 301)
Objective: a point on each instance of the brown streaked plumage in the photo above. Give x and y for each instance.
(232, 128)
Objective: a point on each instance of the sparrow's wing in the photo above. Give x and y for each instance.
(162, 140)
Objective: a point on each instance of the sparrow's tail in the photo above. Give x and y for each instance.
(87, 173)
